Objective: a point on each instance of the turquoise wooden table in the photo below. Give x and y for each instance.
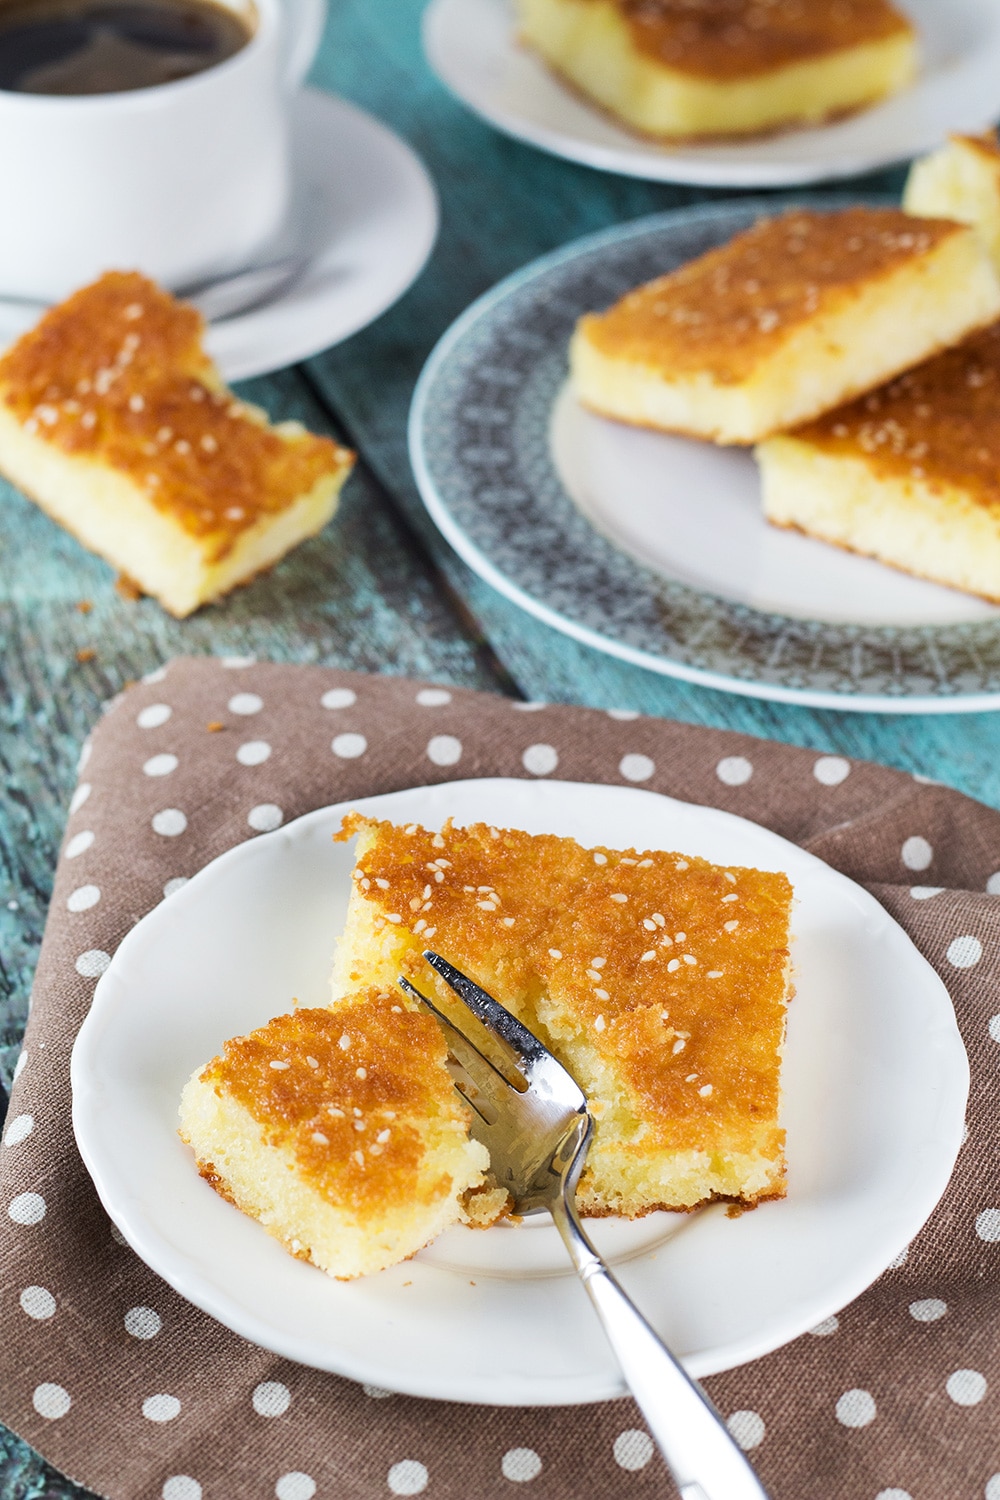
(379, 590)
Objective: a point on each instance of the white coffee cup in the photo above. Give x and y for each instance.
(183, 181)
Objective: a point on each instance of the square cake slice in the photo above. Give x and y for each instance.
(690, 68)
(960, 181)
(115, 421)
(788, 320)
(342, 1133)
(659, 980)
(909, 474)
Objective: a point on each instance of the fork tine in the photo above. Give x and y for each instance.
(483, 1075)
(494, 1016)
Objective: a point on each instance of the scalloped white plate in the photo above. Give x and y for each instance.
(471, 45)
(875, 1084)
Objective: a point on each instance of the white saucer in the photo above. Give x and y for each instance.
(471, 46)
(365, 214)
(874, 1089)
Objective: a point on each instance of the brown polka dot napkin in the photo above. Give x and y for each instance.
(139, 1396)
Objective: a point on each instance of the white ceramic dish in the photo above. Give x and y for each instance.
(875, 1089)
(364, 216)
(471, 46)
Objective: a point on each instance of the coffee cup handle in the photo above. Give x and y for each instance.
(304, 21)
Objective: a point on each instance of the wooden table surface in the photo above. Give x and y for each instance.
(379, 590)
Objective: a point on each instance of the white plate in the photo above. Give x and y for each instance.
(364, 214)
(471, 46)
(875, 1083)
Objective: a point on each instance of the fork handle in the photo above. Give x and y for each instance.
(699, 1450)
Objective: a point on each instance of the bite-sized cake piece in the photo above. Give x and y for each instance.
(687, 68)
(910, 474)
(341, 1132)
(785, 322)
(659, 980)
(114, 419)
(960, 181)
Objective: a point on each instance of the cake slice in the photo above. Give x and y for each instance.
(960, 181)
(115, 421)
(340, 1132)
(909, 475)
(690, 68)
(784, 322)
(659, 980)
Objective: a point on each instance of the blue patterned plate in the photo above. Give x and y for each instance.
(652, 548)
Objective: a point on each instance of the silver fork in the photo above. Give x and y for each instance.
(533, 1119)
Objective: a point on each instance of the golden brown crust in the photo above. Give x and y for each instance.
(116, 374)
(734, 306)
(675, 968)
(939, 423)
(348, 1093)
(984, 145)
(725, 40)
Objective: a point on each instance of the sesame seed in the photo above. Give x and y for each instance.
(209, 444)
(374, 1150)
(598, 963)
(132, 311)
(393, 916)
(681, 864)
(311, 1061)
(359, 1157)
(691, 1078)
(419, 926)
(715, 973)
(437, 841)
(332, 1109)
(645, 864)
(410, 828)
(599, 1024)
(383, 885)
(594, 974)
(486, 906)
(234, 513)
(730, 926)
(508, 921)
(439, 876)
(279, 1066)
(599, 858)
(680, 937)
(730, 877)
(320, 1139)
(649, 924)
(731, 897)
(430, 932)
(650, 953)
(689, 958)
(382, 1137)
(427, 906)
(705, 1090)
(165, 435)
(136, 403)
(366, 884)
(659, 919)
(619, 896)
(197, 393)
(361, 1073)
(356, 1112)
(182, 446)
(624, 861)
(359, 1124)
(427, 892)
(31, 426)
(397, 1008)
(47, 414)
(152, 480)
(679, 1045)
(555, 953)
(602, 994)
(414, 903)
(485, 889)
(445, 864)
(344, 1042)
(673, 965)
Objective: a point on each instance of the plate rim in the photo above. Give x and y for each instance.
(945, 1038)
(469, 551)
(683, 170)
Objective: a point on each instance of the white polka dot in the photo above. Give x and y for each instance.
(747, 1427)
(80, 796)
(271, 1398)
(339, 698)
(995, 1028)
(155, 676)
(964, 952)
(27, 1208)
(899, 1260)
(174, 885)
(265, 817)
(824, 1329)
(153, 716)
(992, 1491)
(377, 1392)
(966, 1387)
(636, 767)
(85, 753)
(236, 663)
(21, 1064)
(856, 1408)
(83, 898)
(623, 715)
(831, 770)
(245, 704)
(160, 1408)
(520, 1465)
(79, 844)
(633, 1449)
(38, 1302)
(408, 1477)
(444, 750)
(540, 760)
(928, 1310)
(160, 765)
(295, 1486)
(993, 884)
(92, 963)
(916, 853)
(988, 1225)
(893, 1495)
(143, 1322)
(51, 1401)
(253, 753)
(433, 697)
(181, 1487)
(117, 1235)
(530, 707)
(925, 892)
(169, 822)
(18, 1129)
(349, 746)
(734, 770)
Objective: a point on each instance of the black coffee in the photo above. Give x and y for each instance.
(107, 46)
